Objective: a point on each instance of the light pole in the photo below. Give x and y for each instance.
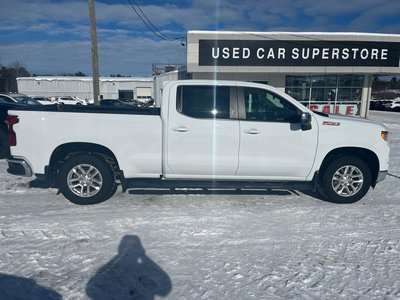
(95, 57)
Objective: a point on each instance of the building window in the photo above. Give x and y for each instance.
(337, 94)
(125, 94)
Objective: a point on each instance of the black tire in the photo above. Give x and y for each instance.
(346, 180)
(85, 179)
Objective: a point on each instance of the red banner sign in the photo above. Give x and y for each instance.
(339, 109)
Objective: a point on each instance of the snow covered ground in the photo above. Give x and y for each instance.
(188, 245)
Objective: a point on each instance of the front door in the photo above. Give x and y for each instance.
(272, 143)
(203, 132)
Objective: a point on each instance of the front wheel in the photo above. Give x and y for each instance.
(346, 180)
(86, 179)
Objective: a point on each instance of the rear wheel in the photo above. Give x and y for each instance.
(346, 180)
(86, 179)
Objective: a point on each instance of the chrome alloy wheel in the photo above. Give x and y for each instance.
(347, 181)
(84, 180)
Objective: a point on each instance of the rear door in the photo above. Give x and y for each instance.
(203, 132)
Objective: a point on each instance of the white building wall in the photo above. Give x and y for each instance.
(81, 87)
(159, 82)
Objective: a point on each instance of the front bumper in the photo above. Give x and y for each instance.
(19, 167)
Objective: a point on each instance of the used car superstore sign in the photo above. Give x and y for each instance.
(297, 53)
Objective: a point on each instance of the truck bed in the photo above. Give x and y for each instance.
(132, 135)
(90, 109)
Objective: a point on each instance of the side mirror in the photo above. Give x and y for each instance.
(305, 121)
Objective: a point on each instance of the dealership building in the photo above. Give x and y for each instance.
(329, 72)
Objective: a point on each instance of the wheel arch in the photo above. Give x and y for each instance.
(368, 156)
(64, 151)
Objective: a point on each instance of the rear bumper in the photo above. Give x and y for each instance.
(19, 166)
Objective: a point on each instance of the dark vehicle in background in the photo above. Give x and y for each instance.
(18, 98)
(393, 105)
(385, 104)
(377, 104)
(117, 103)
(141, 103)
(126, 100)
(126, 103)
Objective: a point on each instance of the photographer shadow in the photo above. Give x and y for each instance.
(14, 287)
(131, 274)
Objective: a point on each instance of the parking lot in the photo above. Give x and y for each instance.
(195, 244)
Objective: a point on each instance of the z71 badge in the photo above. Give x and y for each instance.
(329, 123)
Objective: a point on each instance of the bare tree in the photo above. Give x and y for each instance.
(9, 75)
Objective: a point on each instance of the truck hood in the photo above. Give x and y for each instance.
(338, 120)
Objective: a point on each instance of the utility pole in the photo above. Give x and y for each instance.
(95, 56)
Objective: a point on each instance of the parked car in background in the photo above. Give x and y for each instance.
(378, 104)
(392, 104)
(70, 100)
(18, 98)
(42, 100)
(126, 100)
(117, 103)
(144, 102)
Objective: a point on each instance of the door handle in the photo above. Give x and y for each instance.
(181, 129)
(252, 131)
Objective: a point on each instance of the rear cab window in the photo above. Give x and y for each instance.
(204, 102)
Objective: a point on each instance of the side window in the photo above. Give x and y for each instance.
(203, 101)
(263, 105)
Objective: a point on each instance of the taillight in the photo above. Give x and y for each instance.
(12, 137)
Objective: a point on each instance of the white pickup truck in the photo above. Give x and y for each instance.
(223, 134)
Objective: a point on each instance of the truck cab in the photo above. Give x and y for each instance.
(231, 131)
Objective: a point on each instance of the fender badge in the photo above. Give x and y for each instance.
(330, 123)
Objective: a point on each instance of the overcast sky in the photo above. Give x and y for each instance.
(52, 36)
